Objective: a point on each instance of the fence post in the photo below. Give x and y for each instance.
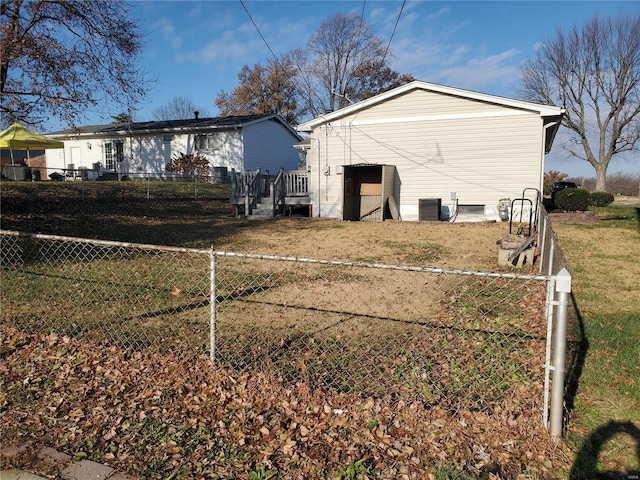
(195, 186)
(212, 305)
(563, 288)
(542, 239)
(272, 197)
(234, 187)
(548, 315)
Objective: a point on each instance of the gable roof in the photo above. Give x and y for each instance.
(551, 114)
(192, 125)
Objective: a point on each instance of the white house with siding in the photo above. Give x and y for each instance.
(142, 149)
(423, 145)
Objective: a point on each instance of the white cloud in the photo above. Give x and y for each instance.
(376, 13)
(458, 55)
(537, 46)
(168, 30)
(439, 13)
(481, 72)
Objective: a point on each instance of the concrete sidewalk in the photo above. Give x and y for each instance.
(69, 470)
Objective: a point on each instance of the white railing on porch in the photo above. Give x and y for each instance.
(296, 183)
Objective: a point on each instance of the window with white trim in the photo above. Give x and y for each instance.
(113, 152)
(208, 142)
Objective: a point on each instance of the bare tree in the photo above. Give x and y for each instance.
(343, 62)
(335, 60)
(595, 73)
(263, 90)
(59, 57)
(178, 108)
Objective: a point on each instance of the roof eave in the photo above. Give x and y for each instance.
(554, 122)
(105, 132)
(543, 110)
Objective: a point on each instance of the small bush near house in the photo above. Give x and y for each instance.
(600, 199)
(572, 199)
(189, 164)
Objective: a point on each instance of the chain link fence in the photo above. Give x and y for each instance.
(133, 295)
(115, 187)
(458, 339)
(452, 338)
(552, 260)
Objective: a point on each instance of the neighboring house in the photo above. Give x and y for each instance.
(142, 149)
(421, 147)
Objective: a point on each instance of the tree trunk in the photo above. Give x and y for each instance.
(601, 177)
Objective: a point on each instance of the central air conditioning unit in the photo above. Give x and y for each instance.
(429, 209)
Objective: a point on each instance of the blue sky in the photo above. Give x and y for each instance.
(195, 49)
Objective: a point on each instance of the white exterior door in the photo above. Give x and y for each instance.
(76, 158)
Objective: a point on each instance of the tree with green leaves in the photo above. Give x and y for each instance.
(594, 72)
(60, 57)
(122, 118)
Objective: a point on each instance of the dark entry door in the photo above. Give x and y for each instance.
(367, 188)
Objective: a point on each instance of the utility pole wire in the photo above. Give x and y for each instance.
(259, 32)
(394, 30)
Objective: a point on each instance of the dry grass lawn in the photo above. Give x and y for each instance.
(263, 425)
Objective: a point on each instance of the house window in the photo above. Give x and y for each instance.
(113, 152)
(208, 142)
(167, 138)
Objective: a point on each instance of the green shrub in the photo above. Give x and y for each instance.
(600, 199)
(572, 199)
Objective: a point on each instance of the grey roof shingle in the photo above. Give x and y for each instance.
(166, 125)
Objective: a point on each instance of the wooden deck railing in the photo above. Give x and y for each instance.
(249, 188)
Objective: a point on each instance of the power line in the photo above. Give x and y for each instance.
(259, 33)
(394, 30)
(364, 4)
(388, 45)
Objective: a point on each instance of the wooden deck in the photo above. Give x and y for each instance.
(267, 196)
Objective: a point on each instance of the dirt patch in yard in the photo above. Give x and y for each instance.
(468, 246)
(121, 211)
(584, 218)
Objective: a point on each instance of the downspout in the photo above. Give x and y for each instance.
(326, 161)
(318, 196)
(240, 133)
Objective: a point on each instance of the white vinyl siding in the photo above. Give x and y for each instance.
(269, 146)
(230, 152)
(152, 155)
(417, 103)
(439, 144)
(264, 143)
